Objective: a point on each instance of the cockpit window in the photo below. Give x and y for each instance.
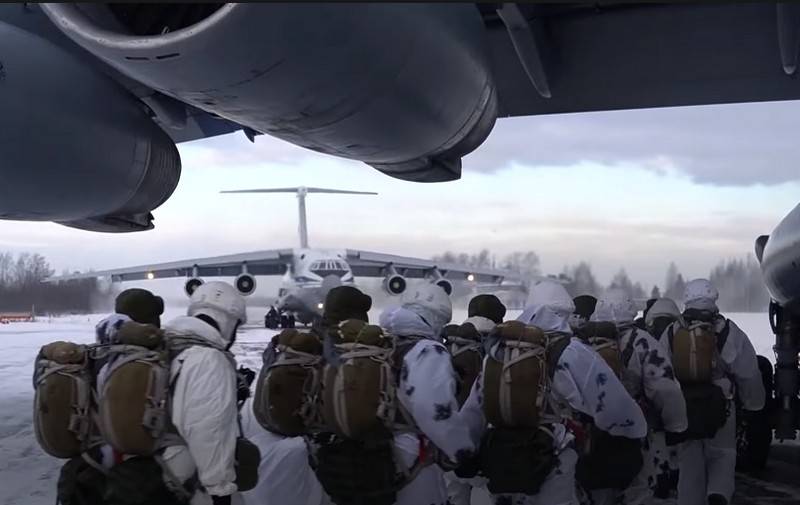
(324, 268)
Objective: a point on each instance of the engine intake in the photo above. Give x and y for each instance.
(245, 284)
(191, 285)
(395, 284)
(446, 285)
(406, 88)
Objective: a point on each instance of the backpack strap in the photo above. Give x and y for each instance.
(722, 336)
(627, 353)
(555, 348)
(402, 347)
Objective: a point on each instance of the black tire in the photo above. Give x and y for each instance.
(754, 434)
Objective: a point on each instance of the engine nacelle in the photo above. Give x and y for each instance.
(446, 285)
(395, 284)
(191, 285)
(245, 284)
(76, 147)
(406, 88)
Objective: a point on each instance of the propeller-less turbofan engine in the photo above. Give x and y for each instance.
(395, 284)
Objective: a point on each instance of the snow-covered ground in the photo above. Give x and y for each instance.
(28, 476)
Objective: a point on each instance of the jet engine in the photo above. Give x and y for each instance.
(191, 285)
(446, 285)
(406, 88)
(245, 284)
(76, 147)
(395, 284)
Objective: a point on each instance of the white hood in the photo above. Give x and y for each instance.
(663, 307)
(549, 308)
(191, 326)
(403, 322)
(615, 306)
(552, 294)
(544, 317)
(430, 302)
(700, 294)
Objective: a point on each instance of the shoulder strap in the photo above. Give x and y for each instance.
(671, 336)
(555, 348)
(722, 337)
(402, 347)
(627, 353)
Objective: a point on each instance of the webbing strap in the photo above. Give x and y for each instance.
(627, 353)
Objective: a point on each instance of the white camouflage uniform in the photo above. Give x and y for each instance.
(649, 378)
(707, 467)
(582, 381)
(459, 490)
(427, 391)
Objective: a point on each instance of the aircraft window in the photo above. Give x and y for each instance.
(325, 268)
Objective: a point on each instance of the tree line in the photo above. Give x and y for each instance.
(22, 287)
(739, 281)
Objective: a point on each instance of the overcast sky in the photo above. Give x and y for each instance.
(631, 189)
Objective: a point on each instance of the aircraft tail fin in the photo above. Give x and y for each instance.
(301, 192)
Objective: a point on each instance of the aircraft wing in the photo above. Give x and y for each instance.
(272, 262)
(556, 58)
(372, 264)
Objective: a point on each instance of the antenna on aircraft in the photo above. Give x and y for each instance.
(301, 193)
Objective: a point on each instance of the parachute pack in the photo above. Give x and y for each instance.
(116, 393)
(608, 461)
(603, 337)
(63, 399)
(338, 392)
(465, 346)
(517, 452)
(289, 383)
(344, 385)
(695, 350)
(525, 363)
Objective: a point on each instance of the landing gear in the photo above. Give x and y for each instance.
(275, 320)
(754, 429)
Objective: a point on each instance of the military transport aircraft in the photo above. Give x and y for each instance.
(309, 273)
(95, 96)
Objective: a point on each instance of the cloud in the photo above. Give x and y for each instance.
(726, 145)
(235, 149)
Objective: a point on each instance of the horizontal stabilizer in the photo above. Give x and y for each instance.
(301, 189)
(301, 192)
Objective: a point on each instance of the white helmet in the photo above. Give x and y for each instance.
(431, 303)
(222, 303)
(700, 294)
(615, 306)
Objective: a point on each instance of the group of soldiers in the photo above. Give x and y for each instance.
(575, 401)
